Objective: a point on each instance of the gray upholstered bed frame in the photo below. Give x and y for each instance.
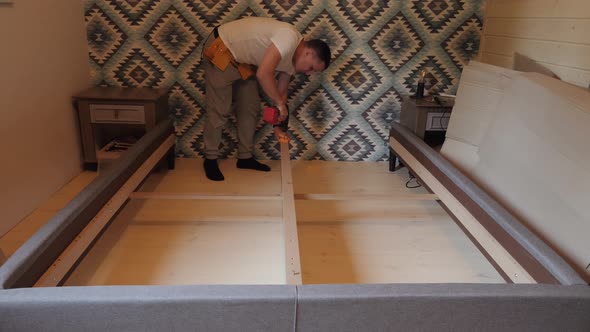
(558, 301)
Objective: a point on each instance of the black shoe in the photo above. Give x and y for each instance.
(251, 163)
(212, 170)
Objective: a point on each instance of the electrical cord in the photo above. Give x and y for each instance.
(442, 117)
(412, 177)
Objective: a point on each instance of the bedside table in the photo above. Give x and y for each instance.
(424, 116)
(114, 112)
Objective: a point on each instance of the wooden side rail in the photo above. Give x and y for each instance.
(58, 271)
(518, 254)
(31, 261)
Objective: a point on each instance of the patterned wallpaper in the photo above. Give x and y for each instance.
(379, 49)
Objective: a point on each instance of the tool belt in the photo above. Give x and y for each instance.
(220, 56)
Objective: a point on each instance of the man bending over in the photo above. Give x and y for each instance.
(239, 56)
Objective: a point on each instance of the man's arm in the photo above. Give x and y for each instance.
(283, 85)
(266, 77)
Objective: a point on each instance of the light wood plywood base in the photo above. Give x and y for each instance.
(147, 247)
(167, 241)
(406, 239)
(401, 236)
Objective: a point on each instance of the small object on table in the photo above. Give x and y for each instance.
(420, 87)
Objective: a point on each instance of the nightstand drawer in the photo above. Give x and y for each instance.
(437, 121)
(103, 113)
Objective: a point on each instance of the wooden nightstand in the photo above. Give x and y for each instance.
(427, 117)
(426, 114)
(109, 113)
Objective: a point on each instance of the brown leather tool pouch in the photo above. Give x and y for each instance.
(218, 54)
(246, 70)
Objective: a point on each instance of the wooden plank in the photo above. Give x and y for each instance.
(346, 177)
(369, 197)
(292, 258)
(117, 93)
(171, 211)
(131, 253)
(575, 76)
(60, 268)
(200, 196)
(405, 251)
(368, 212)
(497, 59)
(538, 8)
(496, 251)
(189, 177)
(552, 32)
(569, 55)
(319, 197)
(559, 30)
(482, 42)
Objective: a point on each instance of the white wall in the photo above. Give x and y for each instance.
(555, 33)
(43, 61)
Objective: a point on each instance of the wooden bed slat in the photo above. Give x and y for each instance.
(200, 196)
(496, 251)
(309, 197)
(371, 197)
(292, 258)
(62, 265)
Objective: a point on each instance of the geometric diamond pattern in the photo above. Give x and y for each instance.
(436, 80)
(397, 42)
(463, 44)
(383, 112)
(104, 36)
(210, 13)
(319, 113)
(436, 14)
(133, 11)
(351, 144)
(173, 37)
(287, 10)
(248, 12)
(325, 27)
(139, 70)
(379, 49)
(297, 146)
(362, 14)
(229, 142)
(356, 79)
(183, 108)
(196, 76)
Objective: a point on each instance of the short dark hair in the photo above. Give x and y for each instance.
(321, 49)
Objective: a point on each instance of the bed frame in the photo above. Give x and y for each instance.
(542, 292)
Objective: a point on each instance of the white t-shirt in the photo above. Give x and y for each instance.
(249, 38)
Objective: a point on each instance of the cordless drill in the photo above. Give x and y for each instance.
(271, 115)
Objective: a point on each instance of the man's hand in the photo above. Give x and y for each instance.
(282, 112)
(281, 135)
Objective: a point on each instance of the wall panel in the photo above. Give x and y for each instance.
(43, 62)
(379, 50)
(552, 32)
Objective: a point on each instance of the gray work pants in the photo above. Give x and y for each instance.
(221, 89)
